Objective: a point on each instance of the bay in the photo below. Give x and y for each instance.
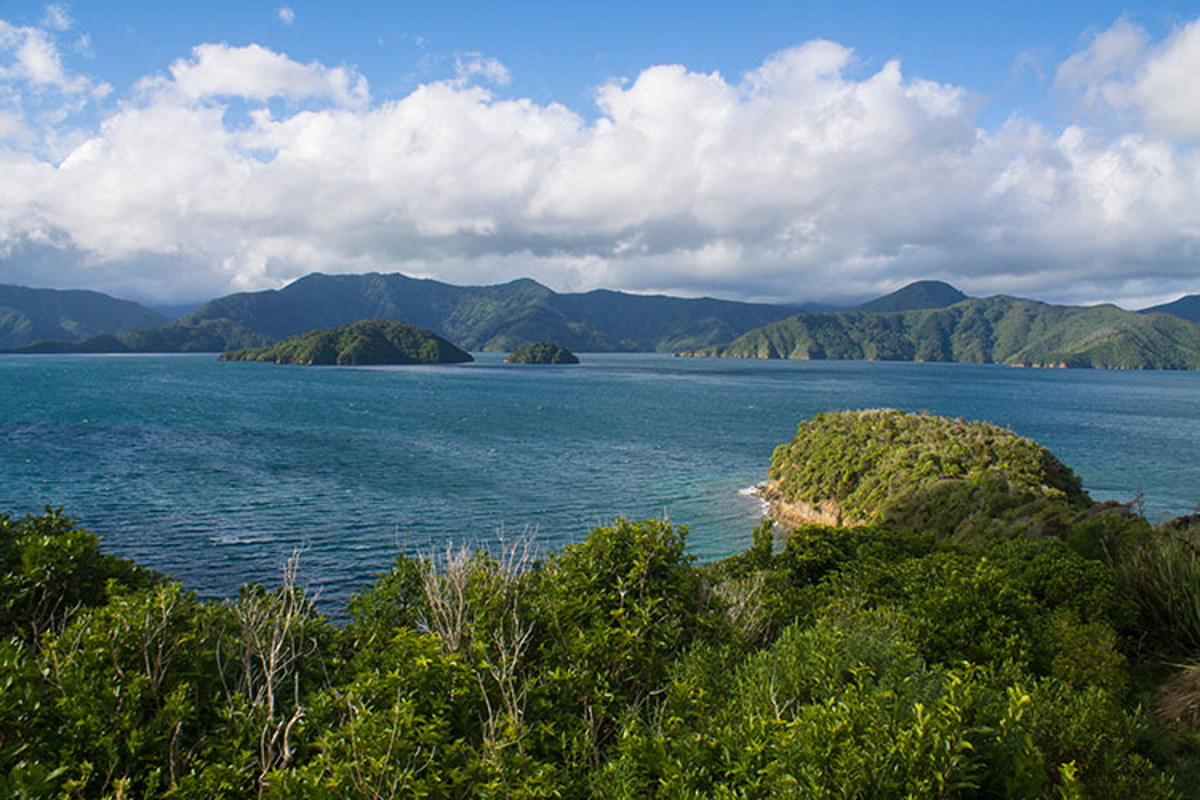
(216, 472)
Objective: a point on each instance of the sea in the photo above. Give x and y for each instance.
(216, 473)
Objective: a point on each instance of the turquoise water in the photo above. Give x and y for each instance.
(216, 472)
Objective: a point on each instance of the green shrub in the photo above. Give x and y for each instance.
(50, 568)
(1163, 579)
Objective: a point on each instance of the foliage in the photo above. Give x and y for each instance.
(937, 471)
(1163, 578)
(993, 330)
(29, 315)
(914, 296)
(494, 318)
(541, 353)
(365, 342)
(1004, 653)
(49, 568)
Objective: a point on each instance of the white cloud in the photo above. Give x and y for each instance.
(256, 73)
(795, 181)
(1122, 70)
(286, 15)
(57, 17)
(38, 94)
(31, 56)
(1165, 87)
(469, 66)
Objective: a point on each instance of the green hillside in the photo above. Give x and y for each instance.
(542, 353)
(29, 315)
(1187, 307)
(359, 343)
(863, 466)
(494, 318)
(1000, 330)
(915, 296)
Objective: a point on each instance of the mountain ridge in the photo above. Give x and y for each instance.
(999, 329)
(28, 314)
(915, 296)
(1186, 307)
(498, 318)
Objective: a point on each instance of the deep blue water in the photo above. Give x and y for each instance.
(215, 472)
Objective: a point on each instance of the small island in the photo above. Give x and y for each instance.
(950, 476)
(369, 342)
(542, 353)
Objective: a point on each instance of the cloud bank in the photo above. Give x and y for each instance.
(240, 168)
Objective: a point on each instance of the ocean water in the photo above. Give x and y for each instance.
(216, 472)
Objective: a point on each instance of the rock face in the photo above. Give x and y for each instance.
(857, 467)
(542, 353)
(370, 342)
(790, 514)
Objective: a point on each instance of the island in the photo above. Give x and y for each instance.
(542, 353)
(951, 476)
(368, 342)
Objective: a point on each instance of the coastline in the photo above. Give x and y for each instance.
(789, 515)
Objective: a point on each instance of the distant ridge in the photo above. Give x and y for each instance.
(29, 315)
(1186, 307)
(496, 318)
(992, 330)
(914, 297)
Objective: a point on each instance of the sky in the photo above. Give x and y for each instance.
(776, 151)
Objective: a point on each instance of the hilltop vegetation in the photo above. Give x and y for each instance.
(994, 330)
(28, 315)
(491, 318)
(885, 660)
(863, 466)
(924, 321)
(1187, 307)
(542, 353)
(915, 296)
(359, 343)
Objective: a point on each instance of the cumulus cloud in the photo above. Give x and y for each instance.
(30, 56)
(257, 73)
(803, 179)
(286, 15)
(1122, 70)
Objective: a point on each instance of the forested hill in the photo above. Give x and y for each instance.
(367, 342)
(27, 315)
(1186, 307)
(915, 296)
(1001, 330)
(492, 317)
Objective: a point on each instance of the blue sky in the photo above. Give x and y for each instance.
(171, 152)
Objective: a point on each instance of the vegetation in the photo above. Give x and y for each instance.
(999, 330)
(915, 296)
(883, 660)
(872, 465)
(28, 315)
(494, 318)
(541, 353)
(206, 336)
(1186, 307)
(366, 342)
